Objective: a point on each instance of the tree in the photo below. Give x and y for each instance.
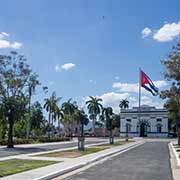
(173, 112)
(51, 107)
(124, 104)
(58, 115)
(81, 119)
(68, 109)
(107, 115)
(3, 122)
(172, 73)
(116, 121)
(37, 118)
(94, 108)
(33, 82)
(15, 76)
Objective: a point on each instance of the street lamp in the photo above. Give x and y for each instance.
(111, 137)
(127, 131)
(81, 137)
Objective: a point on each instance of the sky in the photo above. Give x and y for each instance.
(89, 47)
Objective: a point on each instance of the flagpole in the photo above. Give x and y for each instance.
(139, 110)
(139, 88)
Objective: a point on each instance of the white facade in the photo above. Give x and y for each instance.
(150, 122)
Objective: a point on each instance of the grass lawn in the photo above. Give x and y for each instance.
(74, 153)
(13, 166)
(116, 143)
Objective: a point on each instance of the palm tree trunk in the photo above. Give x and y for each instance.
(10, 130)
(105, 128)
(49, 124)
(94, 121)
(52, 122)
(59, 126)
(29, 118)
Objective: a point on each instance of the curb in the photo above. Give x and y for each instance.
(75, 167)
(175, 154)
(175, 170)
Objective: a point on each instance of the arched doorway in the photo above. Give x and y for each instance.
(143, 127)
(143, 130)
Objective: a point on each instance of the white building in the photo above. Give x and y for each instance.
(150, 122)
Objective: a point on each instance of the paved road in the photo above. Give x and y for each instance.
(4, 152)
(147, 162)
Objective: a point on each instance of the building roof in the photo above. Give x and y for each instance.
(144, 109)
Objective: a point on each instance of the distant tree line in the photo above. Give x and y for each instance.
(21, 117)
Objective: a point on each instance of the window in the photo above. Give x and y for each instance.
(128, 120)
(159, 128)
(159, 120)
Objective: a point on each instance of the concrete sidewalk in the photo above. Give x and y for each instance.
(174, 164)
(68, 164)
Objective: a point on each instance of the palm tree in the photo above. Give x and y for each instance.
(68, 109)
(80, 118)
(124, 104)
(58, 115)
(51, 107)
(94, 108)
(107, 116)
(33, 82)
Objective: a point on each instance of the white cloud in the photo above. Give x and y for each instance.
(65, 67)
(3, 35)
(57, 68)
(167, 32)
(129, 91)
(116, 77)
(145, 100)
(7, 44)
(68, 66)
(112, 99)
(126, 87)
(160, 83)
(4, 44)
(134, 87)
(16, 45)
(146, 32)
(92, 81)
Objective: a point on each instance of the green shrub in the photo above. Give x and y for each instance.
(37, 140)
(17, 141)
(53, 139)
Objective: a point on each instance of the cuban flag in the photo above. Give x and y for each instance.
(148, 84)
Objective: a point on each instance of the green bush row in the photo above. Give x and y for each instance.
(17, 141)
(53, 139)
(31, 141)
